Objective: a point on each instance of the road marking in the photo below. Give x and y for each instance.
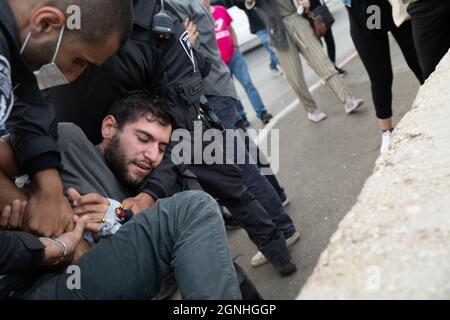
(263, 135)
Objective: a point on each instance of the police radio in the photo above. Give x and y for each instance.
(163, 23)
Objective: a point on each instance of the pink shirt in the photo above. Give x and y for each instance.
(223, 34)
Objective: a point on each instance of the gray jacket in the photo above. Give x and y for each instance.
(219, 81)
(277, 29)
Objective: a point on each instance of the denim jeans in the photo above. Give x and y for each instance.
(2, 130)
(239, 69)
(240, 110)
(184, 233)
(263, 35)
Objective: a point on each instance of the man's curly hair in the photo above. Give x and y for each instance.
(138, 104)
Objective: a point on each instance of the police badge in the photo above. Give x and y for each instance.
(6, 92)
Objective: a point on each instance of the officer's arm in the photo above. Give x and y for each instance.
(20, 252)
(33, 135)
(175, 65)
(33, 132)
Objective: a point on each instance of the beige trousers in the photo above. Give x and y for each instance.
(301, 39)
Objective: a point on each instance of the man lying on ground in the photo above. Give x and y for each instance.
(184, 233)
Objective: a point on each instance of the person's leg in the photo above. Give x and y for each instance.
(225, 182)
(257, 183)
(265, 193)
(303, 35)
(431, 24)
(331, 49)
(184, 233)
(240, 110)
(404, 37)
(293, 68)
(263, 163)
(263, 36)
(331, 45)
(375, 56)
(223, 107)
(239, 69)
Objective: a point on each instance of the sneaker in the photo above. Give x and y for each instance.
(341, 72)
(258, 259)
(266, 117)
(284, 199)
(287, 269)
(316, 115)
(277, 71)
(385, 141)
(351, 104)
(286, 202)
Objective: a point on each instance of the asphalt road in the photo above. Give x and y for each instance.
(323, 166)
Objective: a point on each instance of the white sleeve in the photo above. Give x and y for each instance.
(112, 224)
(6, 91)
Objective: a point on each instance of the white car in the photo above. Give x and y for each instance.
(246, 39)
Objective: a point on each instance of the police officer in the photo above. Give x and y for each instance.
(41, 46)
(162, 60)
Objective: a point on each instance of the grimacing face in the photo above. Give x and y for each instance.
(133, 152)
(74, 54)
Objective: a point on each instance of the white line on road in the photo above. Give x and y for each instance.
(263, 135)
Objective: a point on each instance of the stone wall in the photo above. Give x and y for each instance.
(395, 242)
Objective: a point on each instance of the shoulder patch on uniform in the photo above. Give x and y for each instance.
(6, 91)
(187, 46)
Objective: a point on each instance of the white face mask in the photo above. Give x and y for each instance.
(49, 75)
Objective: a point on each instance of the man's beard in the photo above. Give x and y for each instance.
(35, 57)
(117, 162)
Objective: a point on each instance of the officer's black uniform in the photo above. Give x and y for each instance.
(21, 99)
(21, 257)
(32, 120)
(167, 67)
(20, 252)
